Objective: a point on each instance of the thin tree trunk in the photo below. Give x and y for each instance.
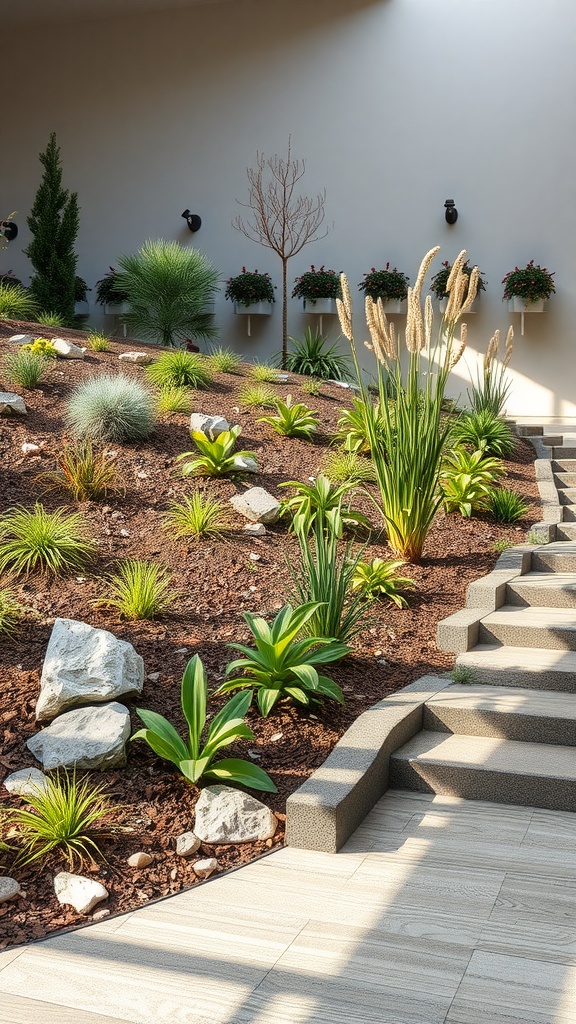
(284, 313)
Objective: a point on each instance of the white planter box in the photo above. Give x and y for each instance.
(443, 303)
(517, 305)
(256, 309)
(320, 306)
(117, 308)
(395, 306)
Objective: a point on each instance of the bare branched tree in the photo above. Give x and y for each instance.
(281, 219)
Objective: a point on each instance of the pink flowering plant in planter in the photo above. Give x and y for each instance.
(530, 283)
(388, 285)
(317, 284)
(249, 287)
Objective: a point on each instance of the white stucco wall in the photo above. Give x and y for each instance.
(396, 105)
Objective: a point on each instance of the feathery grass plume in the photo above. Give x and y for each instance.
(344, 308)
(509, 346)
(491, 389)
(458, 350)
(415, 330)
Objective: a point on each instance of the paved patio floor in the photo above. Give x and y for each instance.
(437, 910)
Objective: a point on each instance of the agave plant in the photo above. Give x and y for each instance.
(467, 479)
(281, 666)
(292, 419)
(215, 458)
(195, 757)
(322, 499)
(313, 358)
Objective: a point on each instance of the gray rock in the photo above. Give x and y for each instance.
(257, 505)
(245, 463)
(26, 782)
(187, 844)
(21, 339)
(9, 888)
(84, 665)
(78, 892)
(204, 868)
(67, 349)
(142, 358)
(12, 404)
(225, 815)
(255, 529)
(93, 737)
(211, 426)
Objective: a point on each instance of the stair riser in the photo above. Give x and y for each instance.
(560, 454)
(544, 560)
(525, 595)
(566, 531)
(564, 466)
(507, 725)
(553, 638)
(477, 784)
(565, 479)
(564, 682)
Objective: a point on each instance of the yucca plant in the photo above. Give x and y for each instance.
(467, 479)
(263, 372)
(194, 757)
(281, 666)
(492, 386)
(258, 396)
(99, 342)
(16, 303)
(34, 539)
(87, 473)
(485, 431)
(24, 368)
(173, 399)
(224, 360)
(10, 610)
(198, 516)
(343, 466)
(408, 458)
(111, 408)
(68, 814)
(379, 578)
(168, 287)
(292, 419)
(506, 506)
(140, 590)
(179, 369)
(214, 458)
(312, 357)
(322, 499)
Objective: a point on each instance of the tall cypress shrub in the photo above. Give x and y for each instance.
(54, 222)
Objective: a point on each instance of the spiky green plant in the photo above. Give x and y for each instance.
(10, 610)
(485, 431)
(197, 516)
(49, 319)
(463, 675)
(380, 578)
(492, 386)
(86, 472)
(114, 408)
(506, 506)
(140, 590)
(99, 342)
(16, 303)
(467, 479)
(224, 360)
(258, 396)
(217, 457)
(351, 429)
(173, 399)
(264, 373)
(322, 499)
(311, 386)
(342, 466)
(34, 539)
(312, 357)
(501, 545)
(179, 369)
(292, 419)
(168, 286)
(24, 368)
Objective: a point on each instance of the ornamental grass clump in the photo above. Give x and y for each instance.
(342, 466)
(25, 368)
(112, 408)
(485, 432)
(140, 590)
(99, 342)
(198, 515)
(17, 303)
(314, 357)
(263, 373)
(37, 540)
(179, 369)
(407, 438)
(224, 360)
(506, 506)
(258, 396)
(11, 610)
(492, 387)
(86, 472)
(173, 399)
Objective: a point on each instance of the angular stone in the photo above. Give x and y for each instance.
(142, 358)
(204, 868)
(226, 815)
(9, 888)
(140, 860)
(245, 463)
(67, 349)
(257, 505)
(93, 738)
(21, 339)
(12, 404)
(187, 844)
(78, 892)
(84, 665)
(28, 448)
(255, 529)
(26, 782)
(211, 426)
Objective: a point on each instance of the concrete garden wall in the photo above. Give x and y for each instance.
(397, 105)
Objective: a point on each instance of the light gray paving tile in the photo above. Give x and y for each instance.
(476, 822)
(552, 829)
(8, 955)
(534, 917)
(20, 1010)
(500, 989)
(475, 855)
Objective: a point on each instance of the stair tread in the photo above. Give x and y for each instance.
(534, 659)
(482, 754)
(545, 579)
(514, 700)
(538, 617)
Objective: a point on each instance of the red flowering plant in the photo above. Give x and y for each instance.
(530, 283)
(385, 284)
(249, 287)
(317, 284)
(440, 280)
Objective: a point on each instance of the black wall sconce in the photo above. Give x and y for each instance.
(8, 230)
(451, 211)
(193, 220)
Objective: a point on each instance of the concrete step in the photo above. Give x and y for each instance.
(567, 496)
(566, 531)
(509, 712)
(564, 466)
(564, 479)
(530, 430)
(530, 627)
(487, 768)
(557, 557)
(538, 669)
(562, 452)
(569, 513)
(543, 590)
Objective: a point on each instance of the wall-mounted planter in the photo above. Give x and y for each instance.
(255, 309)
(320, 306)
(395, 307)
(117, 308)
(518, 305)
(443, 304)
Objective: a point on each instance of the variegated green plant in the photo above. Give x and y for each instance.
(292, 419)
(215, 458)
(322, 499)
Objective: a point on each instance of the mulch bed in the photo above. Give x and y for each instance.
(217, 582)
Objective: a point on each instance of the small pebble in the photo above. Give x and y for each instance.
(80, 579)
(186, 844)
(124, 533)
(140, 860)
(30, 449)
(382, 661)
(99, 915)
(254, 556)
(181, 650)
(253, 589)
(378, 654)
(254, 755)
(174, 874)
(277, 736)
(204, 868)
(9, 888)
(153, 677)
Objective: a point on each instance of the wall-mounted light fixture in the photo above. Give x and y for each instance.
(193, 220)
(451, 211)
(8, 230)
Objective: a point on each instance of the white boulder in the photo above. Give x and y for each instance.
(142, 358)
(12, 404)
(26, 782)
(9, 888)
(93, 738)
(211, 426)
(67, 349)
(255, 529)
(21, 339)
(225, 815)
(85, 665)
(257, 505)
(78, 892)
